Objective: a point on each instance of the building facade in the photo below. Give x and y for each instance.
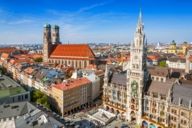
(153, 99)
(71, 95)
(123, 90)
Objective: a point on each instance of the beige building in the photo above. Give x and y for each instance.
(156, 103)
(180, 107)
(71, 95)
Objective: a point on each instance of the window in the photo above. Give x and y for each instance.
(161, 79)
(163, 97)
(155, 95)
(114, 95)
(183, 114)
(174, 111)
(118, 95)
(26, 96)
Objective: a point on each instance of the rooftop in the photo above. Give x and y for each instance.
(7, 50)
(9, 87)
(119, 79)
(28, 116)
(72, 51)
(72, 83)
(104, 117)
(177, 59)
(158, 71)
(161, 87)
(182, 95)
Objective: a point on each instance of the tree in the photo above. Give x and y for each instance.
(162, 64)
(40, 98)
(173, 42)
(39, 59)
(2, 70)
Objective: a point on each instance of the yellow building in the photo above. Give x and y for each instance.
(177, 50)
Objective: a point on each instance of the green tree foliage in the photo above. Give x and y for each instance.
(162, 64)
(40, 98)
(185, 42)
(39, 59)
(2, 70)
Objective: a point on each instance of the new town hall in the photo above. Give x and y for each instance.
(150, 97)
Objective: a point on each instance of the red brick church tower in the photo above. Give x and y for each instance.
(75, 55)
(47, 42)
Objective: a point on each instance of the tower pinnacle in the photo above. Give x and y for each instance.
(140, 23)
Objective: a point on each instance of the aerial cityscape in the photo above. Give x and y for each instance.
(96, 64)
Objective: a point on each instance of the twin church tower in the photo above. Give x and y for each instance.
(51, 37)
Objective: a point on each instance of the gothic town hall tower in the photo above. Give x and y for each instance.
(137, 74)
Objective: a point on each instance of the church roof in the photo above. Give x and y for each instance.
(71, 51)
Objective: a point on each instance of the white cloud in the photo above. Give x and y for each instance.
(21, 21)
(84, 9)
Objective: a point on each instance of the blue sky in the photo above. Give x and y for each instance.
(97, 21)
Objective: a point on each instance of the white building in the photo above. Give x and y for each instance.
(95, 81)
(177, 63)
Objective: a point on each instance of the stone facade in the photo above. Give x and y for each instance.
(150, 99)
(129, 93)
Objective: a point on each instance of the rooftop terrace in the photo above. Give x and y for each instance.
(9, 87)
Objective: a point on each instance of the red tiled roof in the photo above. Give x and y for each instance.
(153, 57)
(72, 51)
(34, 56)
(5, 55)
(72, 83)
(7, 50)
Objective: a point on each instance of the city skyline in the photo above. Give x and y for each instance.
(95, 21)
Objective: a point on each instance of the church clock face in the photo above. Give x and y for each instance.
(134, 87)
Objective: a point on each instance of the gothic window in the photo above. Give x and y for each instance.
(84, 63)
(132, 101)
(137, 66)
(80, 64)
(118, 95)
(114, 95)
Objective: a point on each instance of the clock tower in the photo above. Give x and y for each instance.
(136, 74)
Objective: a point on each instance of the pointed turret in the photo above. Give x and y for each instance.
(139, 34)
(140, 26)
